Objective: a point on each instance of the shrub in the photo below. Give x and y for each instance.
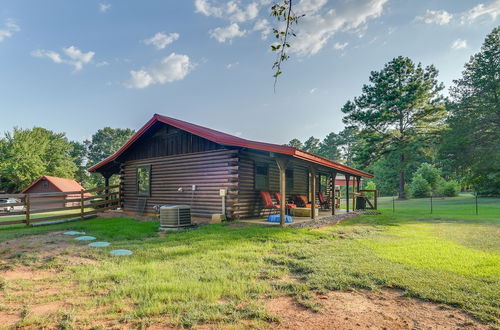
(431, 174)
(450, 188)
(420, 187)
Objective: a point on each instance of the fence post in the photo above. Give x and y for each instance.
(393, 206)
(27, 208)
(81, 204)
(476, 204)
(431, 203)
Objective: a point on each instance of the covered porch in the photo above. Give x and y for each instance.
(322, 191)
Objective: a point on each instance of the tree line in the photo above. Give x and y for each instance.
(402, 123)
(27, 154)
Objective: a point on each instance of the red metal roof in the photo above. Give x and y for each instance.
(230, 140)
(62, 184)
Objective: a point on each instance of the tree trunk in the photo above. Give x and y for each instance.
(401, 194)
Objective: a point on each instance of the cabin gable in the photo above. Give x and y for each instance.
(165, 140)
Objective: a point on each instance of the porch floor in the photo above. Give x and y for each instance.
(296, 220)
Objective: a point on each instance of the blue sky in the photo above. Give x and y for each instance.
(77, 66)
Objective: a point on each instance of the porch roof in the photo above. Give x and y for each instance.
(229, 140)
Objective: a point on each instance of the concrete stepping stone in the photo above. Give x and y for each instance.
(85, 238)
(121, 252)
(99, 244)
(72, 233)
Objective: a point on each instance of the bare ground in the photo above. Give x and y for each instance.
(28, 290)
(386, 309)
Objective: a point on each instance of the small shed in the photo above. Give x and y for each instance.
(52, 184)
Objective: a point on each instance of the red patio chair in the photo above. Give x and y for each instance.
(267, 202)
(323, 203)
(301, 201)
(277, 197)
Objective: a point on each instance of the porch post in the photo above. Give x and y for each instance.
(313, 192)
(282, 164)
(358, 181)
(332, 191)
(347, 181)
(106, 184)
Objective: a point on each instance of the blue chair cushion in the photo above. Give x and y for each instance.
(276, 218)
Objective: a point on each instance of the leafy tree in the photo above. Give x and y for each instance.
(312, 145)
(430, 173)
(401, 104)
(420, 187)
(449, 188)
(349, 138)
(102, 144)
(105, 142)
(26, 154)
(79, 155)
(471, 146)
(296, 143)
(329, 147)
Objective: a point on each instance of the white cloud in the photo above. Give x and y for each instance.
(169, 69)
(491, 9)
(315, 29)
(340, 46)
(309, 6)
(440, 17)
(74, 56)
(102, 63)
(232, 10)
(8, 30)
(459, 44)
(312, 90)
(232, 65)
(161, 40)
(264, 27)
(104, 7)
(221, 34)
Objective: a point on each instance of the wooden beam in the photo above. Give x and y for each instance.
(312, 170)
(332, 191)
(282, 164)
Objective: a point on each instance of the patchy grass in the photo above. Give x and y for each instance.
(219, 274)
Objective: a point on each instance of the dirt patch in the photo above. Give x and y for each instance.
(9, 319)
(46, 309)
(370, 310)
(25, 273)
(45, 245)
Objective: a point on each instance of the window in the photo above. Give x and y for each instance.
(144, 180)
(261, 177)
(289, 179)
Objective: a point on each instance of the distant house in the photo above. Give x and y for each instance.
(169, 161)
(52, 184)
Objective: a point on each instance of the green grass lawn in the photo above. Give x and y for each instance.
(220, 273)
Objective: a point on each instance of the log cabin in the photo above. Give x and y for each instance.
(170, 161)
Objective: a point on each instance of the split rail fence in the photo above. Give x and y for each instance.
(45, 207)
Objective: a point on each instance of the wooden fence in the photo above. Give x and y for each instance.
(42, 207)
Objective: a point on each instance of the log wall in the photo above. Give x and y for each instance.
(208, 170)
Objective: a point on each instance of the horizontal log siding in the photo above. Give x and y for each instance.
(209, 171)
(249, 203)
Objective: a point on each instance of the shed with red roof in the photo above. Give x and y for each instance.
(52, 184)
(170, 161)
